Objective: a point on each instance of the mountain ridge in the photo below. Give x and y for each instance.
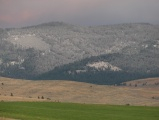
(31, 51)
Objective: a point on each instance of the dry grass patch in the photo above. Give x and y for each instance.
(77, 92)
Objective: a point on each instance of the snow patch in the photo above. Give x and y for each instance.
(103, 66)
(80, 71)
(155, 46)
(145, 46)
(16, 62)
(29, 41)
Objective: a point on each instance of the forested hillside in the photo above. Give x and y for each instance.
(109, 69)
(30, 52)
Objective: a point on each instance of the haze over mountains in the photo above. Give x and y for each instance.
(58, 50)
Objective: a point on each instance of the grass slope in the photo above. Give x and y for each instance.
(78, 92)
(68, 111)
(151, 82)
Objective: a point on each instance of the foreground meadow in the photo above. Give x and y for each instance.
(70, 111)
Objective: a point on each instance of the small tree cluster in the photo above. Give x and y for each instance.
(42, 97)
(11, 94)
(144, 84)
(48, 98)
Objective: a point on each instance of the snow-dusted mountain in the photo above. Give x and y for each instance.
(31, 51)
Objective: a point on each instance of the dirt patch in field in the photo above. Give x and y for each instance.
(77, 92)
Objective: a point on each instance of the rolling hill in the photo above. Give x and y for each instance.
(78, 92)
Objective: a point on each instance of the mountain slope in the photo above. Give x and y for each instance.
(31, 51)
(109, 69)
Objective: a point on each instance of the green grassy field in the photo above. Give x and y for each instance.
(69, 111)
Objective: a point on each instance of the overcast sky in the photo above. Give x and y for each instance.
(18, 13)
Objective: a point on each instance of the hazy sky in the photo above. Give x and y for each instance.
(17, 13)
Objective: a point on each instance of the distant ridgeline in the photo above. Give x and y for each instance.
(108, 54)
